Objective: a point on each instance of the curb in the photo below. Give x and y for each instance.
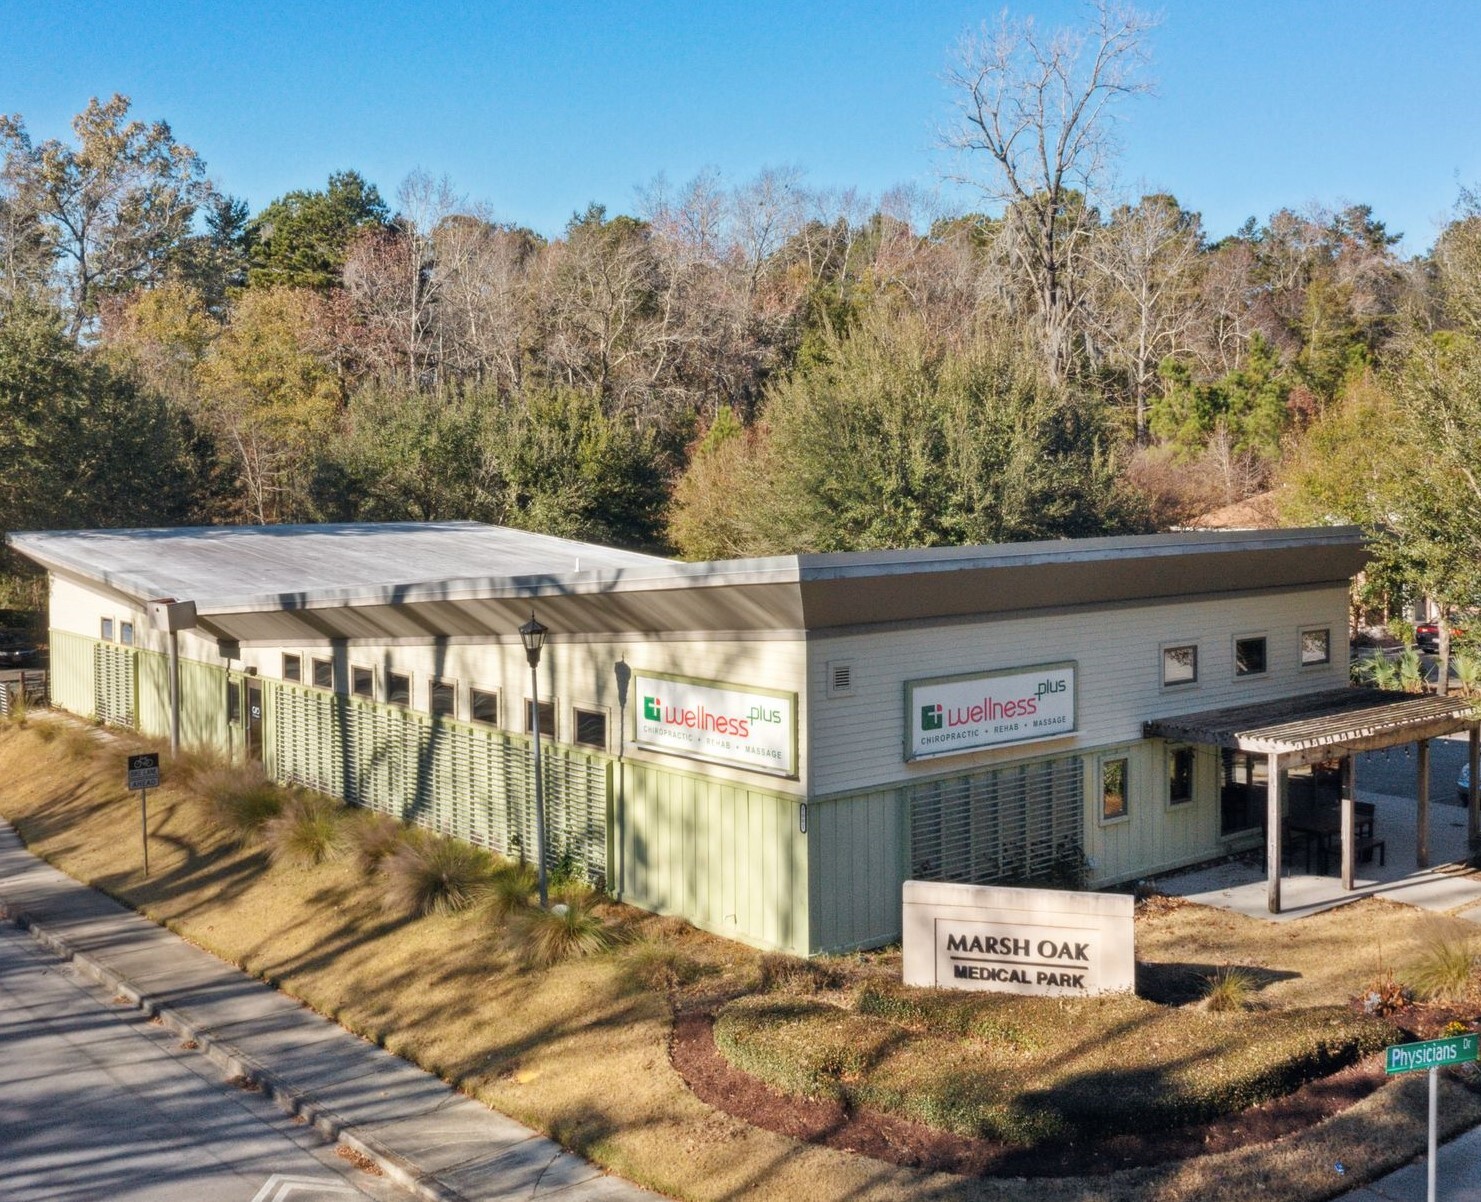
(238, 1064)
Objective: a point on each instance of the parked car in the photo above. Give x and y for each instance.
(1427, 636)
(16, 650)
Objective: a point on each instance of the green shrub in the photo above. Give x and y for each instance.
(372, 837)
(1229, 988)
(793, 973)
(239, 799)
(565, 931)
(430, 874)
(1163, 1066)
(657, 965)
(308, 830)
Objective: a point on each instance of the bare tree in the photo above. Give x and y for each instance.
(1145, 303)
(1039, 105)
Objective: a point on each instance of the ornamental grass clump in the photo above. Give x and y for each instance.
(430, 874)
(1446, 968)
(240, 800)
(568, 930)
(308, 830)
(372, 837)
(509, 890)
(1229, 989)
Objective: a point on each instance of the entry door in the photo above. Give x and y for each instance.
(254, 719)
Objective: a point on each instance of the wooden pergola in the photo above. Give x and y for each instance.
(1299, 731)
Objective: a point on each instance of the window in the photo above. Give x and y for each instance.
(292, 667)
(1180, 664)
(591, 729)
(126, 633)
(323, 673)
(1113, 774)
(106, 630)
(362, 681)
(398, 688)
(233, 701)
(1249, 656)
(444, 699)
(547, 718)
(483, 706)
(1180, 776)
(1316, 646)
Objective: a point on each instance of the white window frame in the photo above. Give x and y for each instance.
(432, 683)
(1170, 753)
(499, 713)
(1181, 686)
(530, 715)
(1301, 647)
(1100, 789)
(1234, 643)
(411, 688)
(370, 696)
(606, 715)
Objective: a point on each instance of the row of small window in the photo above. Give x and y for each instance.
(1180, 663)
(1115, 781)
(125, 632)
(589, 725)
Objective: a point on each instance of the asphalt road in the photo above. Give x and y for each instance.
(1394, 773)
(98, 1105)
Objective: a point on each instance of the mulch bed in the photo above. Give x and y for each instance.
(715, 1081)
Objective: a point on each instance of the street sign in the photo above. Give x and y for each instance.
(1432, 1053)
(144, 770)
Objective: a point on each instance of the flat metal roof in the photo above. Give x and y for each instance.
(466, 575)
(279, 566)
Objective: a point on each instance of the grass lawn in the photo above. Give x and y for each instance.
(580, 1050)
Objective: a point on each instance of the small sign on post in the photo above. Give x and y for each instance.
(1432, 1055)
(143, 776)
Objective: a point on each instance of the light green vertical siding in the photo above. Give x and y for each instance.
(856, 866)
(202, 701)
(1154, 836)
(71, 673)
(729, 858)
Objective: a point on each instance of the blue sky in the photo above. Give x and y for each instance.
(539, 108)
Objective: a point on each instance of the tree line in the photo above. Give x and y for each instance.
(736, 368)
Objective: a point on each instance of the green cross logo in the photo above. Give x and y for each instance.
(651, 710)
(930, 717)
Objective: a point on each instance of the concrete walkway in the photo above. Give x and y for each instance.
(1447, 887)
(1457, 1176)
(424, 1135)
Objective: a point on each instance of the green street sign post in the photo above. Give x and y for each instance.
(1432, 1055)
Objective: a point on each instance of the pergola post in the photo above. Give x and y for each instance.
(1349, 797)
(1473, 799)
(1422, 823)
(1272, 832)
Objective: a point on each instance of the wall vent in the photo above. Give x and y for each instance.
(840, 678)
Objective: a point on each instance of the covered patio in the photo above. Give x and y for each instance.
(1319, 729)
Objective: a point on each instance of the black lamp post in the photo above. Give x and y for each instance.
(532, 635)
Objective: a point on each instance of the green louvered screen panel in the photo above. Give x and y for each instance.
(474, 783)
(113, 684)
(1018, 824)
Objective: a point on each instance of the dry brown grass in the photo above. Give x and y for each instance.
(576, 1052)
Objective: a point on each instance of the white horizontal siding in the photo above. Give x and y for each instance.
(858, 741)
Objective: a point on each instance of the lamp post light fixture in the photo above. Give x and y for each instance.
(532, 635)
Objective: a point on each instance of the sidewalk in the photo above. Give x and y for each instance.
(1457, 1177)
(423, 1134)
